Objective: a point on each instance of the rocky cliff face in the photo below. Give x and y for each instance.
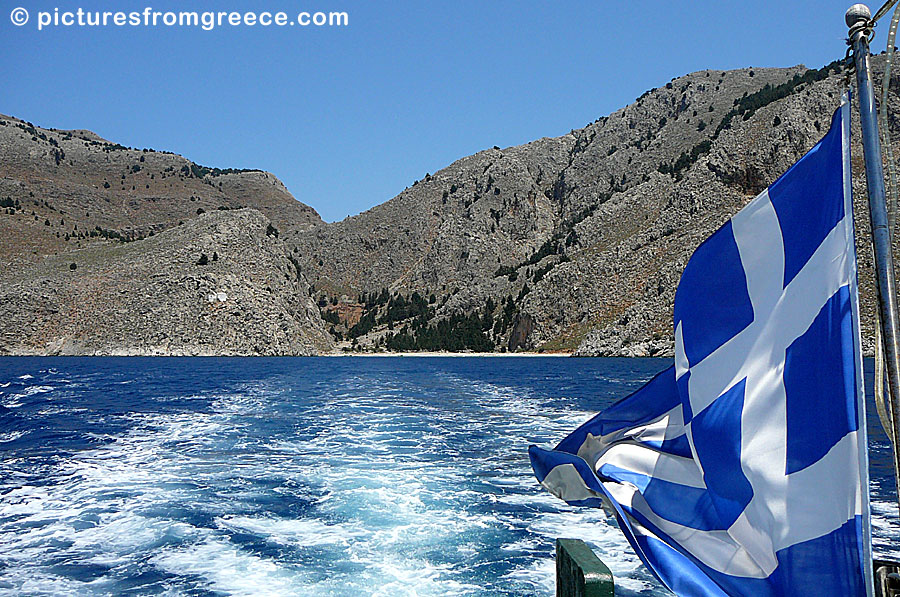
(220, 284)
(497, 207)
(578, 243)
(456, 227)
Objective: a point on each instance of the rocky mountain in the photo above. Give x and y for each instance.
(497, 207)
(101, 245)
(219, 284)
(577, 243)
(573, 243)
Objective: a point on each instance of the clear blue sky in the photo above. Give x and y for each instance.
(348, 117)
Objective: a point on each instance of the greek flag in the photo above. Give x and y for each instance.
(742, 469)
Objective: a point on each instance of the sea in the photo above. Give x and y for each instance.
(394, 476)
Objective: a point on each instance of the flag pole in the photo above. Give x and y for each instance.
(858, 19)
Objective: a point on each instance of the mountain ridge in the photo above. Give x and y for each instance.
(86, 181)
(585, 234)
(573, 243)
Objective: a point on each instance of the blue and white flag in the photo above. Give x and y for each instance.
(742, 469)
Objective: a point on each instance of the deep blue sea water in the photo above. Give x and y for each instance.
(317, 476)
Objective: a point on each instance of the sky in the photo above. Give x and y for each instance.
(347, 117)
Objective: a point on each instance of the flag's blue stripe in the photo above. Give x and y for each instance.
(658, 396)
(820, 369)
(588, 503)
(672, 566)
(688, 506)
(543, 461)
(712, 302)
(808, 200)
(678, 445)
(801, 564)
(611, 472)
(716, 432)
(690, 580)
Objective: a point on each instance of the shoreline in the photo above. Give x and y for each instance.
(265, 356)
(448, 354)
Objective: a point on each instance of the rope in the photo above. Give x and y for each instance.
(883, 399)
(885, 128)
(883, 10)
(882, 405)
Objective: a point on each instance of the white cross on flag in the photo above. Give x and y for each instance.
(741, 470)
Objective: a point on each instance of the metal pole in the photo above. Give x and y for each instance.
(858, 20)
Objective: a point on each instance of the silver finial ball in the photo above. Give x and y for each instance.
(856, 13)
